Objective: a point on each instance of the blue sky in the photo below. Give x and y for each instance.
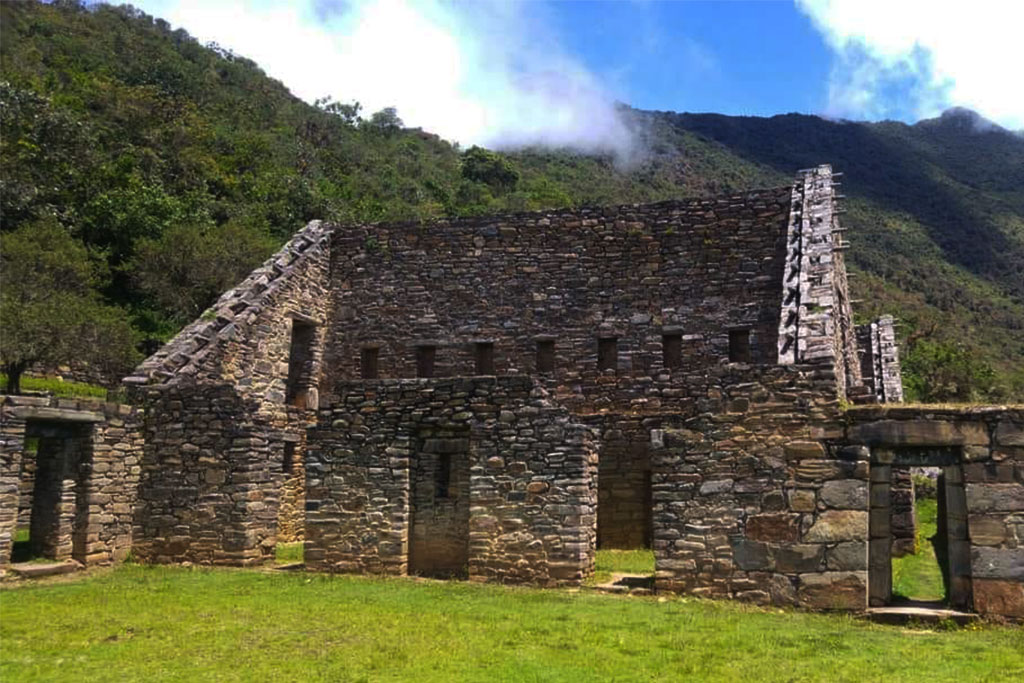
(743, 58)
(506, 73)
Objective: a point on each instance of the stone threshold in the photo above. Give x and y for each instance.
(633, 584)
(36, 570)
(921, 612)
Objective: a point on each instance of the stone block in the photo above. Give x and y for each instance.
(716, 486)
(834, 590)
(795, 558)
(802, 500)
(750, 555)
(849, 556)
(775, 526)
(782, 590)
(1009, 433)
(995, 498)
(801, 450)
(834, 526)
(920, 433)
(995, 596)
(987, 529)
(997, 563)
(845, 494)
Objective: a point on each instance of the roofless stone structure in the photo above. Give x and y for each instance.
(497, 397)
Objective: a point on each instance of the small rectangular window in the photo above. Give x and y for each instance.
(484, 358)
(546, 355)
(672, 350)
(288, 464)
(739, 346)
(300, 363)
(368, 362)
(425, 356)
(443, 476)
(607, 353)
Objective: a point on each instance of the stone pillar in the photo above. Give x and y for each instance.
(53, 506)
(12, 441)
(957, 544)
(880, 544)
(904, 516)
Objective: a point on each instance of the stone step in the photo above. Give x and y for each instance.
(35, 570)
(902, 614)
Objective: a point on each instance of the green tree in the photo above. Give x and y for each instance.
(942, 371)
(49, 310)
(186, 268)
(484, 166)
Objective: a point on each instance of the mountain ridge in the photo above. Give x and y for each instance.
(138, 140)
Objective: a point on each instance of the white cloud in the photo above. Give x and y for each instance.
(479, 73)
(925, 55)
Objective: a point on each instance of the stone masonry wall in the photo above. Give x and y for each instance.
(532, 478)
(696, 269)
(221, 410)
(880, 361)
(97, 491)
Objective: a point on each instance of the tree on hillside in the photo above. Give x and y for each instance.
(492, 169)
(49, 311)
(186, 268)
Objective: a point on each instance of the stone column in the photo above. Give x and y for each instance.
(880, 544)
(957, 544)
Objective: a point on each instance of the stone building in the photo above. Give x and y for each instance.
(497, 397)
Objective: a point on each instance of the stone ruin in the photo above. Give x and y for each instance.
(495, 398)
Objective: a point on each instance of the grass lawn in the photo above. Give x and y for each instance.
(289, 553)
(607, 562)
(168, 623)
(57, 387)
(917, 576)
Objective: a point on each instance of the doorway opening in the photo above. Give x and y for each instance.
(919, 553)
(289, 549)
(53, 508)
(439, 505)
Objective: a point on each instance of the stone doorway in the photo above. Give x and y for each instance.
(55, 491)
(890, 468)
(439, 505)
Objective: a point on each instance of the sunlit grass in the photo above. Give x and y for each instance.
(142, 623)
(917, 576)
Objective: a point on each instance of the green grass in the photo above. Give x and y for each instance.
(607, 562)
(56, 387)
(176, 624)
(917, 576)
(288, 553)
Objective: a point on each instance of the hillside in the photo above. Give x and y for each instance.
(181, 166)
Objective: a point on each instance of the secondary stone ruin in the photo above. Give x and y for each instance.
(495, 398)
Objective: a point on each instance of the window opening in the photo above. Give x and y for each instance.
(607, 353)
(425, 356)
(484, 358)
(300, 361)
(739, 346)
(546, 355)
(368, 363)
(672, 350)
(288, 464)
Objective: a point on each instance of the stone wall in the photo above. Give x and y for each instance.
(530, 495)
(223, 399)
(696, 269)
(86, 476)
(750, 503)
(880, 361)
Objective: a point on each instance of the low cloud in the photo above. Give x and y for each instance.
(485, 73)
(923, 55)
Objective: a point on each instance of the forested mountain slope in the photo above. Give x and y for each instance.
(180, 167)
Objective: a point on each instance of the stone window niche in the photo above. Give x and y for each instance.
(288, 461)
(426, 355)
(607, 353)
(484, 358)
(672, 350)
(368, 362)
(300, 363)
(545, 355)
(739, 346)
